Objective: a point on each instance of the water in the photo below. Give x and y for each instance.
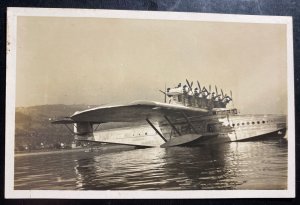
(243, 165)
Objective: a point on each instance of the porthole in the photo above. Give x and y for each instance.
(233, 125)
(253, 123)
(263, 122)
(243, 123)
(258, 122)
(248, 123)
(145, 133)
(238, 124)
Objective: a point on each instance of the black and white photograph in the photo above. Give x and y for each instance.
(147, 104)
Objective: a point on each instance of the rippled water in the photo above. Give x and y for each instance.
(243, 165)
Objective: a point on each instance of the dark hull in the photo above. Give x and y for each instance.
(276, 135)
(273, 135)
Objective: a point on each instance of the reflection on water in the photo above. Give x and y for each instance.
(243, 165)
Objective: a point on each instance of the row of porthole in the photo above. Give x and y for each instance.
(140, 134)
(248, 123)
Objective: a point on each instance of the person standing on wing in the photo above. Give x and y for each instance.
(185, 95)
(196, 100)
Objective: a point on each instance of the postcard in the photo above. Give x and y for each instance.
(115, 104)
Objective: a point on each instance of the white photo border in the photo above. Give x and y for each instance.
(13, 13)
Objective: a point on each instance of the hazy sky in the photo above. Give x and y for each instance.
(99, 61)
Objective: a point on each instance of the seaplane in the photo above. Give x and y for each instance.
(187, 117)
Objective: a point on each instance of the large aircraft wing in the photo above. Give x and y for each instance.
(136, 111)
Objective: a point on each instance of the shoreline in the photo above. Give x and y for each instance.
(102, 149)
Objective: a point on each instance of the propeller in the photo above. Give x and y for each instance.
(216, 90)
(165, 93)
(227, 96)
(162, 92)
(231, 98)
(199, 86)
(190, 85)
(223, 96)
(209, 90)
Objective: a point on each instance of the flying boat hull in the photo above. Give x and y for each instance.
(210, 130)
(169, 125)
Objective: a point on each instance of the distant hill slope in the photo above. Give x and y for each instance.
(33, 125)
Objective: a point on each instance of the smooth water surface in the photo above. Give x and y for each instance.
(237, 165)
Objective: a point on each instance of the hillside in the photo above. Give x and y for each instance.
(33, 125)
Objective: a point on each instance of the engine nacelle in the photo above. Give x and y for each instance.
(83, 128)
(83, 131)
